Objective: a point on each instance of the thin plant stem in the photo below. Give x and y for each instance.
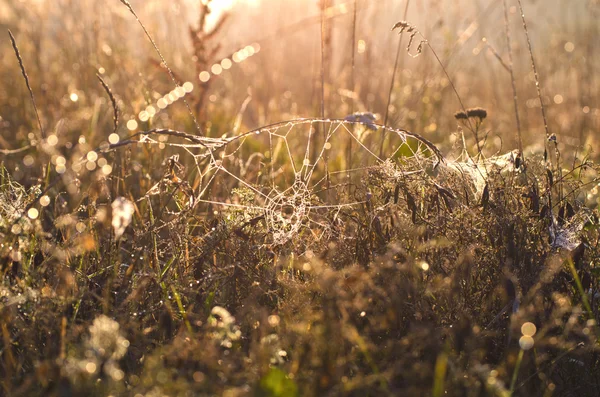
(424, 41)
(324, 41)
(396, 63)
(512, 79)
(352, 77)
(549, 137)
(535, 72)
(580, 289)
(323, 7)
(464, 109)
(515, 373)
(26, 77)
(163, 60)
(353, 56)
(113, 101)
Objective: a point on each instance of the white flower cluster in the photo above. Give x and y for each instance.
(224, 328)
(104, 347)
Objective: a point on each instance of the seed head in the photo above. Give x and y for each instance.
(476, 113)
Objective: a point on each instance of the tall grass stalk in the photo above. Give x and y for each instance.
(441, 366)
(404, 25)
(396, 64)
(535, 71)
(515, 373)
(580, 289)
(352, 76)
(353, 57)
(323, 33)
(549, 137)
(26, 77)
(325, 50)
(164, 62)
(113, 101)
(510, 67)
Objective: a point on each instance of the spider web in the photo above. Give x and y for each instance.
(296, 176)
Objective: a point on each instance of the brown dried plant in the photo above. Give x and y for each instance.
(205, 49)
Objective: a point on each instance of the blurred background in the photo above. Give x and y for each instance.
(259, 62)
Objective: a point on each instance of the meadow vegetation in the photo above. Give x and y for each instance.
(299, 198)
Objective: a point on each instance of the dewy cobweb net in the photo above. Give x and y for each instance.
(296, 177)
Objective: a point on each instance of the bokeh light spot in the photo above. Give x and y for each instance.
(528, 329)
(526, 342)
(33, 213)
(132, 125)
(216, 69)
(204, 76)
(113, 138)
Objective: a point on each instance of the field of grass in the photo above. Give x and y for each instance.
(299, 198)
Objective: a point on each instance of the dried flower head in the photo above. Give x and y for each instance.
(479, 113)
(405, 26)
(460, 115)
(476, 113)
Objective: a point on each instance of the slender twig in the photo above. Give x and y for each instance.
(352, 77)
(396, 63)
(387, 107)
(405, 26)
(549, 137)
(163, 60)
(353, 57)
(323, 7)
(473, 130)
(535, 72)
(18, 54)
(8, 152)
(498, 56)
(112, 100)
(324, 41)
(512, 79)
(398, 52)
